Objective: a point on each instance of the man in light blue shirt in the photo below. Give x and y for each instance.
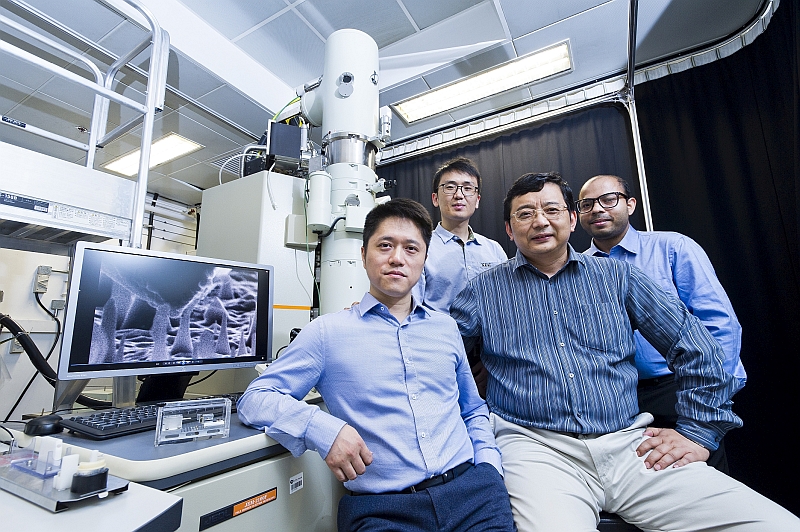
(407, 431)
(679, 266)
(457, 253)
(557, 329)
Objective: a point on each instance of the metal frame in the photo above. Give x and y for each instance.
(154, 100)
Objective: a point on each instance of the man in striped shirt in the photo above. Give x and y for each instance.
(557, 332)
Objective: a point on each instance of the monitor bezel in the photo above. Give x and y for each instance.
(76, 269)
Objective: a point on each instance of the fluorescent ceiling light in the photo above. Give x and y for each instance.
(522, 71)
(162, 151)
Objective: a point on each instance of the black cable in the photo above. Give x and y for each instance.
(58, 326)
(40, 363)
(49, 353)
(201, 380)
(333, 226)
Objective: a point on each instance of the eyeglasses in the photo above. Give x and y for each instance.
(449, 189)
(606, 201)
(526, 215)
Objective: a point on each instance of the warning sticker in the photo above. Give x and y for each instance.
(228, 512)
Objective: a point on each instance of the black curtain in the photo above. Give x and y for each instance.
(721, 152)
(579, 146)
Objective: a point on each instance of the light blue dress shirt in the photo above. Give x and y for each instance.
(560, 350)
(405, 387)
(451, 263)
(680, 266)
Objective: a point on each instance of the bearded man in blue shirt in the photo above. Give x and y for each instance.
(557, 331)
(407, 432)
(678, 265)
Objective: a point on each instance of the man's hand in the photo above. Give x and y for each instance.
(349, 456)
(481, 377)
(668, 447)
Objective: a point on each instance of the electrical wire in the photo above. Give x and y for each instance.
(49, 353)
(39, 362)
(269, 188)
(308, 248)
(201, 380)
(285, 106)
(226, 162)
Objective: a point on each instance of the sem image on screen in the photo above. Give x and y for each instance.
(149, 309)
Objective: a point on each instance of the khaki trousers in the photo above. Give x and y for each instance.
(559, 483)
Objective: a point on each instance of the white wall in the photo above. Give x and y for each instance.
(17, 275)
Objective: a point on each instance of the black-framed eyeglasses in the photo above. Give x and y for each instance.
(608, 200)
(449, 189)
(524, 216)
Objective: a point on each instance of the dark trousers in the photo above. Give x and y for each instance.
(659, 396)
(475, 501)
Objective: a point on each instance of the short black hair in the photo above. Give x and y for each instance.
(404, 208)
(534, 183)
(459, 164)
(626, 188)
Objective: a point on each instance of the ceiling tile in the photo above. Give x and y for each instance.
(121, 146)
(383, 20)
(18, 40)
(667, 27)
(524, 16)
(232, 18)
(122, 38)
(171, 189)
(11, 93)
(477, 63)
(218, 126)
(288, 48)
(39, 110)
(89, 18)
(202, 175)
(238, 109)
(23, 139)
(595, 54)
(475, 25)
(188, 77)
(118, 113)
(401, 92)
(426, 13)
(177, 122)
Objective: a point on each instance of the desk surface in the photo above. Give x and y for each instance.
(138, 508)
(136, 458)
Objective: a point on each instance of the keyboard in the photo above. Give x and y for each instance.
(113, 422)
(116, 422)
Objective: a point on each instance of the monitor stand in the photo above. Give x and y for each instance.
(123, 394)
(67, 393)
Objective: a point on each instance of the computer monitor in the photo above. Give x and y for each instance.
(134, 312)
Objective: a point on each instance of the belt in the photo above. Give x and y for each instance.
(444, 478)
(578, 435)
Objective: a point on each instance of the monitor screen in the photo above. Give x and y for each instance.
(138, 312)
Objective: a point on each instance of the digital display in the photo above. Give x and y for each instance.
(135, 312)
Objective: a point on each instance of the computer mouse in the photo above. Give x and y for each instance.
(43, 425)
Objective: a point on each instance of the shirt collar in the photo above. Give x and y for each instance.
(446, 235)
(368, 302)
(630, 243)
(520, 261)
